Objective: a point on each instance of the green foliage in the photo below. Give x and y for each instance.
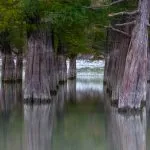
(11, 22)
(80, 29)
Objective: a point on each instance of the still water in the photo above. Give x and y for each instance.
(74, 120)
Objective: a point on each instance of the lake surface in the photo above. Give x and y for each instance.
(74, 120)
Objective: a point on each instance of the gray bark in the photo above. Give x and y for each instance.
(62, 67)
(7, 97)
(37, 83)
(133, 89)
(8, 68)
(19, 67)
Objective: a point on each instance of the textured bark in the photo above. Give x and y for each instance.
(133, 90)
(62, 67)
(37, 83)
(8, 67)
(19, 67)
(72, 68)
(126, 131)
(51, 68)
(115, 62)
(38, 122)
(7, 97)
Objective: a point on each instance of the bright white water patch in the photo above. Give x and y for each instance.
(90, 75)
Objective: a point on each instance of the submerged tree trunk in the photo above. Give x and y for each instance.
(8, 65)
(133, 90)
(114, 66)
(62, 66)
(36, 75)
(19, 67)
(126, 66)
(51, 68)
(72, 68)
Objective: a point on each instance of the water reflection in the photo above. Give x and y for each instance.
(10, 120)
(74, 120)
(38, 125)
(126, 131)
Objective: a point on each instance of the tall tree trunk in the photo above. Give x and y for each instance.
(19, 67)
(115, 62)
(8, 65)
(51, 63)
(62, 66)
(133, 90)
(36, 75)
(72, 68)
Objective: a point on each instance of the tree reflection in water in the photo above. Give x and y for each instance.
(126, 131)
(38, 122)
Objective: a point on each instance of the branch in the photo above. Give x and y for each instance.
(124, 13)
(127, 23)
(113, 3)
(119, 31)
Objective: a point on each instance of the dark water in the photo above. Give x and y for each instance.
(74, 120)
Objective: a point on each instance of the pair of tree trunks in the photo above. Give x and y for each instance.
(126, 66)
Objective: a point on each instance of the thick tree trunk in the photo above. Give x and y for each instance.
(19, 67)
(133, 90)
(8, 67)
(72, 68)
(115, 63)
(37, 83)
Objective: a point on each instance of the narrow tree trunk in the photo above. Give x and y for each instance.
(72, 68)
(51, 63)
(8, 66)
(62, 65)
(36, 75)
(19, 67)
(71, 90)
(133, 90)
(7, 97)
(61, 100)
